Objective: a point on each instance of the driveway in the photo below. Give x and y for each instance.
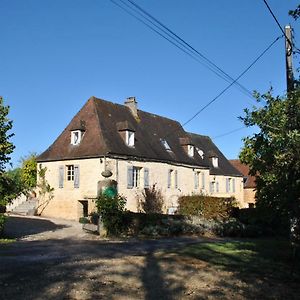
(56, 259)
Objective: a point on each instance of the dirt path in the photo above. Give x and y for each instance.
(56, 259)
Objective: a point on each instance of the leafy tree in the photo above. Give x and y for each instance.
(273, 155)
(29, 171)
(6, 147)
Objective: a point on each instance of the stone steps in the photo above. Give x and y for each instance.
(27, 208)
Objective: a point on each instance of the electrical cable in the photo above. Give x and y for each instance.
(228, 133)
(195, 54)
(281, 29)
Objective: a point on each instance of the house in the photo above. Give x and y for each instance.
(138, 149)
(249, 182)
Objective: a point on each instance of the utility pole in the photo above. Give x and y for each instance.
(289, 58)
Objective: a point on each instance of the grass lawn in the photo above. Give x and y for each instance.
(6, 241)
(254, 269)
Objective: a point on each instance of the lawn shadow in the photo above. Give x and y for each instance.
(262, 266)
(18, 227)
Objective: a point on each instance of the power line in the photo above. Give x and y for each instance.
(280, 27)
(177, 41)
(229, 132)
(224, 90)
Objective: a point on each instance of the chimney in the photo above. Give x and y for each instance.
(132, 105)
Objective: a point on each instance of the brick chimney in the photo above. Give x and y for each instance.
(131, 103)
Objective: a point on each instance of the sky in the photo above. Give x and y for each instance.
(56, 54)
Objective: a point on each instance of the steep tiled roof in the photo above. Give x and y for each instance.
(103, 123)
(205, 144)
(244, 169)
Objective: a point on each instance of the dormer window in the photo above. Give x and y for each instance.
(200, 152)
(190, 149)
(129, 138)
(76, 137)
(215, 162)
(165, 144)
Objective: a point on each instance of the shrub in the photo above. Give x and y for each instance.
(206, 206)
(111, 211)
(2, 221)
(153, 201)
(83, 220)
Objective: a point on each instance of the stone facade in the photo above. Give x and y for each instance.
(70, 202)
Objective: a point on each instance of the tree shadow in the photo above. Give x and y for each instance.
(18, 227)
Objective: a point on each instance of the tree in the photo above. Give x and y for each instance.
(6, 147)
(29, 171)
(273, 155)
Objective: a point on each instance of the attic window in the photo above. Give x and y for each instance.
(190, 150)
(165, 144)
(215, 162)
(76, 137)
(129, 138)
(200, 152)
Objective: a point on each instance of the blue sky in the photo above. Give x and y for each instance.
(56, 54)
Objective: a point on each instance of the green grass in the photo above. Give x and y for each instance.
(261, 257)
(6, 241)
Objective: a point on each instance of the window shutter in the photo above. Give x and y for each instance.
(169, 178)
(76, 176)
(176, 179)
(227, 185)
(196, 180)
(203, 180)
(61, 177)
(210, 187)
(233, 185)
(217, 187)
(130, 177)
(146, 178)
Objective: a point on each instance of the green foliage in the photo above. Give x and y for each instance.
(6, 147)
(2, 221)
(44, 188)
(206, 206)
(29, 171)
(153, 201)
(273, 155)
(111, 211)
(295, 13)
(11, 186)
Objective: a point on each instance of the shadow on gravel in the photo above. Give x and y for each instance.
(18, 227)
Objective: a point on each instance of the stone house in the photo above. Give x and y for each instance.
(249, 182)
(138, 149)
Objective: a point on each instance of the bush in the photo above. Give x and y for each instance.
(2, 221)
(153, 201)
(83, 220)
(206, 206)
(111, 211)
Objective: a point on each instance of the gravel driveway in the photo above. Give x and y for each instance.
(56, 259)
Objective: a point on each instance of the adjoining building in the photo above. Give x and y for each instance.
(138, 149)
(249, 182)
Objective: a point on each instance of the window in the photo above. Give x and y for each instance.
(76, 136)
(130, 138)
(191, 150)
(70, 173)
(200, 152)
(134, 177)
(165, 144)
(196, 180)
(172, 179)
(215, 162)
(212, 187)
(230, 185)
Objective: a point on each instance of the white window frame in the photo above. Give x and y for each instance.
(130, 138)
(200, 152)
(191, 151)
(215, 162)
(136, 177)
(70, 172)
(76, 137)
(166, 145)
